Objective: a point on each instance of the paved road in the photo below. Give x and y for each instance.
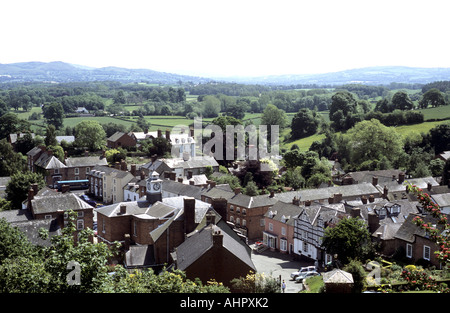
(275, 264)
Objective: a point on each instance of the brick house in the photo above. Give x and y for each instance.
(49, 204)
(214, 252)
(245, 213)
(279, 226)
(414, 241)
(157, 225)
(39, 159)
(122, 140)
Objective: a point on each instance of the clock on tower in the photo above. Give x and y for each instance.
(154, 188)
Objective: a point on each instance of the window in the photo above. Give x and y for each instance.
(134, 228)
(262, 222)
(77, 171)
(283, 231)
(238, 221)
(56, 171)
(80, 214)
(103, 226)
(47, 217)
(88, 170)
(238, 210)
(305, 247)
(244, 223)
(270, 226)
(283, 244)
(426, 252)
(231, 219)
(244, 212)
(231, 207)
(80, 224)
(408, 250)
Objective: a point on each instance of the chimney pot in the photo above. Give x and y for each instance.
(123, 209)
(237, 191)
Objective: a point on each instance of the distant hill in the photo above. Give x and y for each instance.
(64, 72)
(381, 75)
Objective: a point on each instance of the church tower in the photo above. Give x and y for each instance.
(154, 185)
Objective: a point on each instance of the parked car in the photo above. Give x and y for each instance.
(294, 275)
(305, 275)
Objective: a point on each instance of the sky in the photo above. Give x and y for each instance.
(227, 38)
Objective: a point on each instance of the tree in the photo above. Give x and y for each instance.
(343, 105)
(349, 239)
(11, 124)
(432, 97)
(50, 136)
(371, 140)
(211, 106)
(90, 134)
(18, 186)
(10, 161)
(54, 114)
(274, 116)
(304, 124)
(401, 101)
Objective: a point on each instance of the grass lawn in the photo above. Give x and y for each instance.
(313, 284)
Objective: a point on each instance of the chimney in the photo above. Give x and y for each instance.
(142, 175)
(371, 198)
(220, 206)
(355, 212)
(385, 192)
(145, 130)
(86, 153)
(296, 201)
(133, 169)
(337, 197)
(238, 191)
(123, 209)
(272, 194)
(189, 214)
(375, 180)
(191, 132)
(212, 183)
(217, 238)
(331, 199)
(30, 197)
(373, 221)
(172, 175)
(180, 179)
(65, 188)
(50, 152)
(167, 134)
(364, 199)
(117, 166)
(35, 188)
(123, 165)
(65, 155)
(189, 174)
(103, 154)
(401, 177)
(308, 203)
(126, 242)
(191, 182)
(429, 186)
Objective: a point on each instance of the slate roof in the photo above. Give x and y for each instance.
(201, 242)
(110, 170)
(46, 161)
(31, 230)
(181, 189)
(85, 161)
(366, 176)
(56, 202)
(347, 191)
(139, 256)
(285, 212)
(408, 230)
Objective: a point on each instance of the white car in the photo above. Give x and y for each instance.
(294, 275)
(305, 275)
